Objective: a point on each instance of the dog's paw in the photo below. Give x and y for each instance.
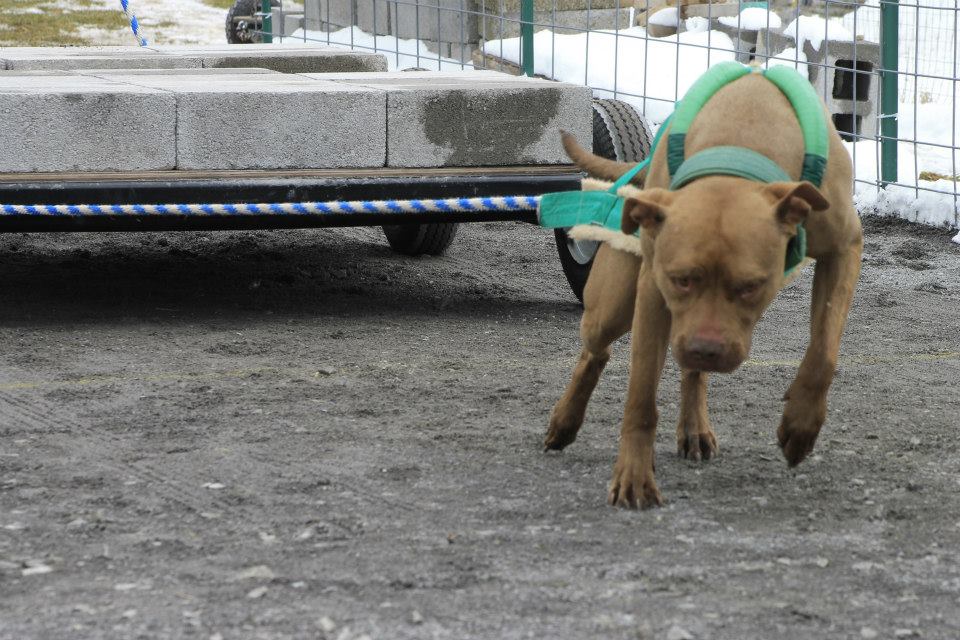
(560, 434)
(633, 486)
(697, 446)
(800, 426)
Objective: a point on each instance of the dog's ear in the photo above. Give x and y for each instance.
(643, 208)
(793, 202)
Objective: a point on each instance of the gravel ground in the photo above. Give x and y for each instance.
(301, 435)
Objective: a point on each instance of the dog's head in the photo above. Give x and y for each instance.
(718, 258)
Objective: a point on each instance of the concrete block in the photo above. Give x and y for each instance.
(285, 122)
(771, 42)
(567, 22)
(438, 20)
(285, 23)
(65, 58)
(845, 74)
(744, 41)
(82, 123)
(285, 58)
(478, 118)
(330, 15)
(213, 74)
(289, 58)
(373, 16)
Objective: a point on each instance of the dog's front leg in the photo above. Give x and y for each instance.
(633, 484)
(833, 283)
(695, 438)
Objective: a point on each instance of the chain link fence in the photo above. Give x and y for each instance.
(887, 70)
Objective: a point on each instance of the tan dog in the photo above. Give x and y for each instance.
(713, 256)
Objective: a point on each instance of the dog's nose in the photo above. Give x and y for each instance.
(704, 349)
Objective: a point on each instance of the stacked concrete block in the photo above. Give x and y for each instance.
(845, 75)
(450, 21)
(289, 58)
(454, 28)
(270, 120)
(771, 43)
(285, 23)
(66, 58)
(62, 122)
(330, 15)
(234, 119)
(476, 118)
(562, 22)
(744, 41)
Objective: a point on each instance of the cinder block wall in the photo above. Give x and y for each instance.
(454, 28)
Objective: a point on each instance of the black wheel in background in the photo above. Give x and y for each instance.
(620, 133)
(416, 239)
(245, 32)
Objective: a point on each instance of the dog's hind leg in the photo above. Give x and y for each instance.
(608, 300)
(833, 284)
(695, 438)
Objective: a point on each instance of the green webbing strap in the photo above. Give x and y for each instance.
(806, 104)
(702, 90)
(571, 208)
(729, 161)
(798, 90)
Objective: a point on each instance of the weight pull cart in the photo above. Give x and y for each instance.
(419, 209)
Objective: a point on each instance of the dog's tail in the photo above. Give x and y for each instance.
(598, 167)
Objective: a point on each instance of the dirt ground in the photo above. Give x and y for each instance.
(302, 435)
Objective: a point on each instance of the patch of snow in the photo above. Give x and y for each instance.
(170, 22)
(696, 24)
(668, 17)
(753, 19)
(924, 201)
(650, 73)
(401, 54)
(815, 30)
(791, 58)
(928, 45)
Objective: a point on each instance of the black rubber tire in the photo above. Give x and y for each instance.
(244, 8)
(620, 133)
(417, 239)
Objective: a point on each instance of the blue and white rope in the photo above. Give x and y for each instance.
(336, 207)
(134, 23)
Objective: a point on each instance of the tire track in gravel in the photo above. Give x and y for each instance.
(90, 443)
(41, 416)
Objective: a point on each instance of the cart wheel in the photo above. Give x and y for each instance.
(248, 30)
(620, 133)
(416, 239)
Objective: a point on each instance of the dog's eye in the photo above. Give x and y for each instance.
(747, 290)
(683, 283)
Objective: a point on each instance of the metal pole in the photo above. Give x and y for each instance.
(526, 36)
(267, 12)
(889, 91)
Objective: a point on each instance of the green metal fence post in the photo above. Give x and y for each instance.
(526, 36)
(889, 90)
(267, 10)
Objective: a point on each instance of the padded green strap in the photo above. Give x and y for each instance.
(729, 161)
(702, 90)
(570, 208)
(813, 123)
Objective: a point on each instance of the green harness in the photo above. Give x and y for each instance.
(605, 208)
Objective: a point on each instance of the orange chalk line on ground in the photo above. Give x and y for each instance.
(186, 376)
